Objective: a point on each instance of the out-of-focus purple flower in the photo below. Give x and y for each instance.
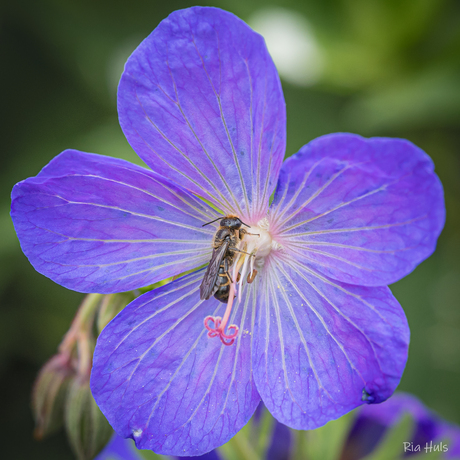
(317, 333)
(119, 449)
(280, 447)
(430, 430)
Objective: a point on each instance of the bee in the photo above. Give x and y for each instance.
(217, 278)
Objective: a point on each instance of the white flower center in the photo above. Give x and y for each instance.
(250, 254)
(257, 245)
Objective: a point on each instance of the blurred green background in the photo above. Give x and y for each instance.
(373, 67)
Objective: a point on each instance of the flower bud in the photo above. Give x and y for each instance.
(111, 305)
(87, 429)
(48, 395)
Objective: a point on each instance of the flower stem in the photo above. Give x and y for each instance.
(83, 321)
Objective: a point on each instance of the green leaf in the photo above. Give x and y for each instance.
(239, 447)
(326, 442)
(263, 432)
(422, 455)
(150, 455)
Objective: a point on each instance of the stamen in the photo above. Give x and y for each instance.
(251, 276)
(241, 262)
(220, 324)
(252, 264)
(250, 255)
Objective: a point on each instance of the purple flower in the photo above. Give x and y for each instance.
(279, 444)
(124, 449)
(317, 333)
(119, 449)
(429, 431)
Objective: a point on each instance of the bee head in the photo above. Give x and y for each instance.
(231, 222)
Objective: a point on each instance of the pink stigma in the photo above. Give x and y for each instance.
(220, 324)
(218, 330)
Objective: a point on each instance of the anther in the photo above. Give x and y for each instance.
(251, 276)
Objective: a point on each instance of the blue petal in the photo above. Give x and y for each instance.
(98, 224)
(322, 347)
(159, 379)
(124, 449)
(362, 211)
(201, 103)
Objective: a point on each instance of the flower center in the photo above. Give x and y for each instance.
(254, 247)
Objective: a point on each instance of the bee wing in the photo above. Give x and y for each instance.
(212, 272)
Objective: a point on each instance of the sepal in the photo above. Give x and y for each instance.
(87, 429)
(111, 305)
(49, 394)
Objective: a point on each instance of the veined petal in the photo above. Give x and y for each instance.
(159, 378)
(322, 347)
(124, 449)
(98, 224)
(201, 103)
(362, 211)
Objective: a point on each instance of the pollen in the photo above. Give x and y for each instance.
(137, 433)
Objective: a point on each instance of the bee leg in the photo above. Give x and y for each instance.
(226, 270)
(243, 252)
(251, 276)
(238, 277)
(243, 232)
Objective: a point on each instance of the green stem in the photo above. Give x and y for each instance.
(245, 450)
(299, 443)
(82, 322)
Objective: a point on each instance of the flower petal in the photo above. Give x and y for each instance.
(362, 211)
(98, 224)
(281, 444)
(390, 412)
(323, 348)
(159, 378)
(119, 449)
(201, 103)
(124, 449)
